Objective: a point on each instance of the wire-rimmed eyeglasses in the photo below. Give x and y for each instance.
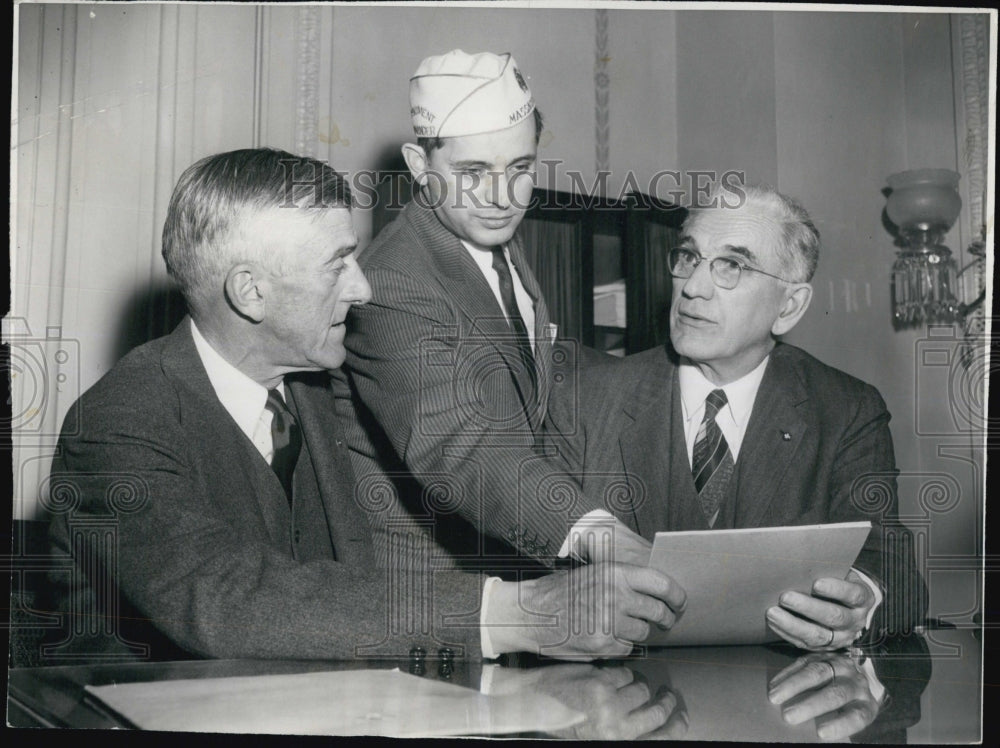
(725, 271)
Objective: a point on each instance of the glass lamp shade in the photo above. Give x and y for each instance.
(924, 204)
(924, 199)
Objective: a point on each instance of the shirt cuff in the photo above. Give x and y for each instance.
(486, 679)
(876, 590)
(484, 631)
(874, 684)
(571, 545)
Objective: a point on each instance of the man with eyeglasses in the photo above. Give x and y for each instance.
(727, 427)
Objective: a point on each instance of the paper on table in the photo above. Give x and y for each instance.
(733, 576)
(346, 702)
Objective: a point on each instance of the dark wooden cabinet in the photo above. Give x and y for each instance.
(575, 243)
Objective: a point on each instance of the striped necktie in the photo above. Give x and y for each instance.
(712, 462)
(514, 317)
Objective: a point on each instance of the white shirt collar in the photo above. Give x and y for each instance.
(483, 257)
(242, 397)
(740, 395)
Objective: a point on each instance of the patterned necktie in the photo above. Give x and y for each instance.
(711, 462)
(286, 440)
(513, 312)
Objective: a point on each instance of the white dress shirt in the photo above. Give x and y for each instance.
(733, 416)
(484, 259)
(242, 397)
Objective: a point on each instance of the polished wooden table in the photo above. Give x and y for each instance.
(932, 684)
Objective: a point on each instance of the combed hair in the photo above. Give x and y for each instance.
(799, 250)
(432, 144)
(215, 196)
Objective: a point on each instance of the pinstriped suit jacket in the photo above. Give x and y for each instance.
(441, 399)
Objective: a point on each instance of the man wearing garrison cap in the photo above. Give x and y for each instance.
(451, 365)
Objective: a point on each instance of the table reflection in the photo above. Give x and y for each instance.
(737, 693)
(618, 701)
(763, 694)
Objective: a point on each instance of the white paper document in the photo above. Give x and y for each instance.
(344, 702)
(733, 576)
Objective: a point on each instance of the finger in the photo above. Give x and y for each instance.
(616, 676)
(651, 716)
(800, 663)
(652, 582)
(829, 615)
(834, 695)
(813, 675)
(847, 593)
(803, 634)
(846, 721)
(633, 696)
(677, 724)
(632, 629)
(653, 610)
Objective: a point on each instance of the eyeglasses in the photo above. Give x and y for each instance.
(725, 271)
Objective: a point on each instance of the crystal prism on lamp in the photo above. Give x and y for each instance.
(924, 204)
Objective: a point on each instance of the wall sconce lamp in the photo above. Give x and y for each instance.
(923, 204)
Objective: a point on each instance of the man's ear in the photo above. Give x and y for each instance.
(245, 292)
(416, 162)
(796, 303)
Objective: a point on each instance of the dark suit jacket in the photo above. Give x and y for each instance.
(835, 465)
(195, 531)
(440, 392)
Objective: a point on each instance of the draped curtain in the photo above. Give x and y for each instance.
(553, 249)
(110, 108)
(649, 281)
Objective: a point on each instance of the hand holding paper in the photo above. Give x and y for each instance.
(734, 577)
(599, 536)
(592, 611)
(829, 619)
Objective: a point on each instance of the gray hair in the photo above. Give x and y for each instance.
(215, 198)
(799, 250)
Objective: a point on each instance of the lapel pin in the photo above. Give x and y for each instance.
(786, 436)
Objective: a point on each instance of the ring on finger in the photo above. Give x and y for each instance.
(833, 671)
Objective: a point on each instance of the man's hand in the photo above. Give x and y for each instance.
(593, 611)
(601, 537)
(828, 688)
(829, 619)
(618, 706)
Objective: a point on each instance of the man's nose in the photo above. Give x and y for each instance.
(357, 291)
(498, 189)
(700, 284)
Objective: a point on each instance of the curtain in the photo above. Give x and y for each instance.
(649, 281)
(553, 249)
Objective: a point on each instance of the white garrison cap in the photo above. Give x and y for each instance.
(460, 94)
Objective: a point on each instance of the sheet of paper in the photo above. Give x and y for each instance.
(347, 702)
(733, 576)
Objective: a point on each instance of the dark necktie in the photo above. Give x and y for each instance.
(286, 440)
(711, 462)
(513, 312)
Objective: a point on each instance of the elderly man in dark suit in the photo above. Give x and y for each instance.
(205, 481)
(451, 366)
(726, 427)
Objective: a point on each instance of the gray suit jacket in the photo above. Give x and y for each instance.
(438, 396)
(836, 463)
(199, 545)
